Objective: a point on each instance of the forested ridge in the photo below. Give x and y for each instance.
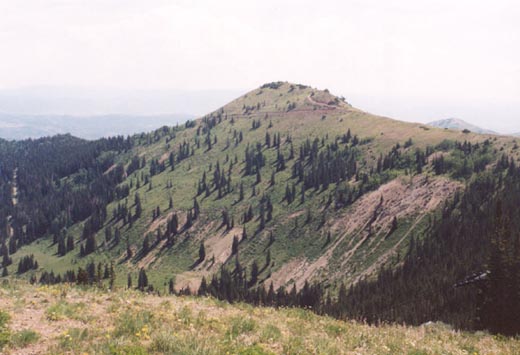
(60, 181)
(286, 175)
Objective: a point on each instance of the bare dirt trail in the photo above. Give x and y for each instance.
(310, 101)
(14, 200)
(321, 104)
(14, 190)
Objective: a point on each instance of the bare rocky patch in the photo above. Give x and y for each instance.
(405, 197)
(218, 251)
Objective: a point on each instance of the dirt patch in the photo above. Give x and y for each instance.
(295, 271)
(123, 256)
(112, 167)
(296, 214)
(33, 317)
(219, 245)
(188, 279)
(164, 157)
(218, 251)
(400, 198)
(152, 255)
(162, 220)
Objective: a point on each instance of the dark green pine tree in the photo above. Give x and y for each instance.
(203, 289)
(129, 253)
(171, 286)
(117, 236)
(234, 245)
(146, 245)
(202, 252)
(142, 281)
(138, 207)
(268, 258)
(254, 274)
(62, 247)
(90, 245)
(196, 208)
(244, 233)
(112, 276)
(241, 192)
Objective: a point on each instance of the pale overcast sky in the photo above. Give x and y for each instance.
(409, 59)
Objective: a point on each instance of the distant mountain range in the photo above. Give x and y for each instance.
(93, 113)
(459, 125)
(49, 100)
(17, 127)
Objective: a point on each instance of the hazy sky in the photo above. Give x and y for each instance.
(411, 59)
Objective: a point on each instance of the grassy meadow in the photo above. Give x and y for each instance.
(71, 320)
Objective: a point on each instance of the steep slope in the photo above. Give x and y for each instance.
(459, 125)
(312, 189)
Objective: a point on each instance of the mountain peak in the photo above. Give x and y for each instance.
(283, 97)
(459, 125)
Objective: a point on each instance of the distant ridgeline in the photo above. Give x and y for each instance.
(287, 196)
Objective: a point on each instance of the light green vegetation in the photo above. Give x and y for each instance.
(124, 322)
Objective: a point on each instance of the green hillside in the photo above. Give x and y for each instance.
(287, 179)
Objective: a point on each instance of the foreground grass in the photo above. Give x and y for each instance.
(69, 320)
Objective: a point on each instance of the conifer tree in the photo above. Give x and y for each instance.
(112, 276)
(234, 246)
(70, 243)
(146, 245)
(241, 192)
(254, 273)
(142, 281)
(171, 286)
(138, 207)
(268, 258)
(202, 252)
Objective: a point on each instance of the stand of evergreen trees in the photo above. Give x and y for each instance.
(60, 181)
